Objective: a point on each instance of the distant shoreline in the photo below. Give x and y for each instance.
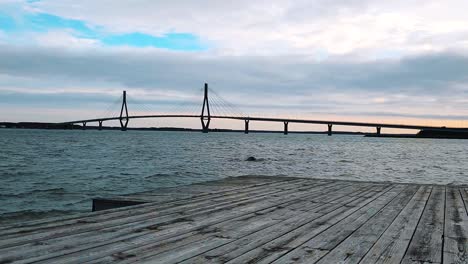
(55, 126)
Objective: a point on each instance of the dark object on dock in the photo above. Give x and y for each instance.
(251, 159)
(104, 204)
(256, 219)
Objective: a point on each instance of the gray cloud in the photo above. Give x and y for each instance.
(426, 85)
(317, 57)
(181, 71)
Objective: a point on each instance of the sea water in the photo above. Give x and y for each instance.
(56, 172)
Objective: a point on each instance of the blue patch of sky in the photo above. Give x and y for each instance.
(43, 22)
(174, 41)
(7, 23)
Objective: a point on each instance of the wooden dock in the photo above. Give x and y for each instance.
(256, 220)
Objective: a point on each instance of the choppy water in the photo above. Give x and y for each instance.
(45, 173)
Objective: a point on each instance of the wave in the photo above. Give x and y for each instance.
(160, 175)
(28, 215)
(51, 191)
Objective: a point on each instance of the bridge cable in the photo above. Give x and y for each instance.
(185, 107)
(217, 109)
(231, 108)
(221, 106)
(111, 109)
(140, 107)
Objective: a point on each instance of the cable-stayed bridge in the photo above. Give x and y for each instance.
(227, 111)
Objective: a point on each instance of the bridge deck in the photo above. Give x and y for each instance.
(257, 220)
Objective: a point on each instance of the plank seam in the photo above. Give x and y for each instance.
(417, 224)
(337, 198)
(388, 189)
(141, 210)
(355, 230)
(258, 196)
(393, 186)
(313, 208)
(32, 224)
(391, 223)
(371, 218)
(297, 198)
(463, 200)
(443, 229)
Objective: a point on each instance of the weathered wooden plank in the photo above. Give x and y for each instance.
(261, 248)
(204, 188)
(132, 214)
(200, 224)
(234, 231)
(168, 191)
(280, 246)
(353, 248)
(193, 249)
(176, 211)
(153, 236)
(426, 244)
(73, 220)
(392, 245)
(236, 221)
(229, 230)
(176, 202)
(464, 194)
(332, 237)
(171, 208)
(132, 227)
(329, 238)
(456, 228)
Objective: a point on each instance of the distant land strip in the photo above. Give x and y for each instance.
(420, 134)
(41, 125)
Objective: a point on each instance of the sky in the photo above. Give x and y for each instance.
(402, 61)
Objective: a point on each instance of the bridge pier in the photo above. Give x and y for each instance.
(84, 126)
(123, 125)
(205, 119)
(100, 125)
(330, 129)
(378, 130)
(246, 131)
(205, 129)
(286, 128)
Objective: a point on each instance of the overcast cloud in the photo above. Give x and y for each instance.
(366, 58)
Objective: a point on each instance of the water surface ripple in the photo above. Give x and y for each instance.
(48, 172)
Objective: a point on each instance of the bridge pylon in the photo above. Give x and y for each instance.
(123, 124)
(205, 118)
